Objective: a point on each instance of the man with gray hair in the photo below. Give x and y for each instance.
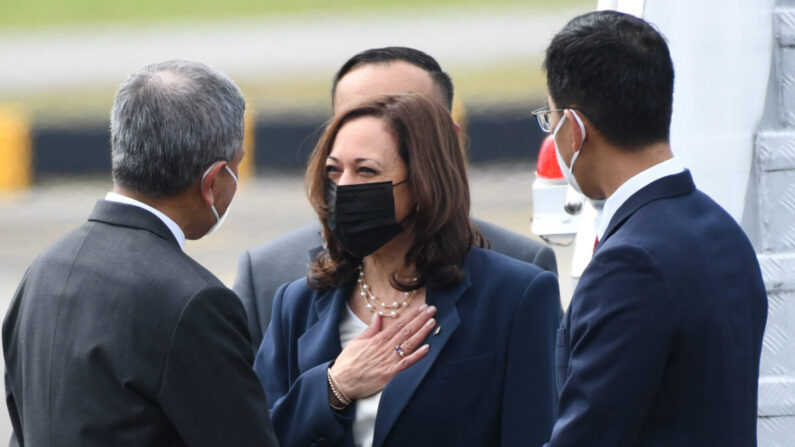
(115, 336)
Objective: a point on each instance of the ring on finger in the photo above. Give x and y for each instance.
(399, 351)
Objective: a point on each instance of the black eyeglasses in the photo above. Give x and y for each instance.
(544, 117)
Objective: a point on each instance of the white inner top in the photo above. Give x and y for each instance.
(366, 408)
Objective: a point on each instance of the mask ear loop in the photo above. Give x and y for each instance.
(579, 122)
(204, 177)
(207, 171)
(416, 209)
(582, 126)
(557, 128)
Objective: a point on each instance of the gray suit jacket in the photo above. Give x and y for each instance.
(116, 337)
(263, 269)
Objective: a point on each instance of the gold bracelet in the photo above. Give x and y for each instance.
(337, 394)
(345, 399)
(334, 407)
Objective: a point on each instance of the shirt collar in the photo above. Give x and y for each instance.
(175, 229)
(636, 183)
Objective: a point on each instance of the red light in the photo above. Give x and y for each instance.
(547, 166)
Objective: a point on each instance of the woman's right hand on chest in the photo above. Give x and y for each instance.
(370, 360)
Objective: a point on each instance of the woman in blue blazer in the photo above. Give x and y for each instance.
(406, 331)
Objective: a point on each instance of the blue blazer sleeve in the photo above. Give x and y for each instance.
(306, 399)
(529, 397)
(613, 354)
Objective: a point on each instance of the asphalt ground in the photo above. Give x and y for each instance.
(264, 208)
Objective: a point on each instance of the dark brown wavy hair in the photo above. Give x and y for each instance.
(441, 231)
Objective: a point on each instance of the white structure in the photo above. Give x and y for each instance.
(734, 127)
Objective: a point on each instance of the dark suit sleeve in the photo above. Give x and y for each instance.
(545, 258)
(244, 287)
(621, 329)
(529, 396)
(209, 391)
(13, 413)
(11, 357)
(299, 409)
(518, 246)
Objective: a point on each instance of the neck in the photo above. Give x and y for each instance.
(379, 266)
(625, 164)
(178, 208)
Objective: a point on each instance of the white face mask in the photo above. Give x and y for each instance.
(219, 219)
(568, 171)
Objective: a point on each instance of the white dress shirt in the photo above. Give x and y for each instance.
(636, 183)
(366, 408)
(175, 229)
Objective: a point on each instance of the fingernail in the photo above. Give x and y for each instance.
(375, 315)
(431, 322)
(423, 306)
(438, 329)
(426, 347)
(431, 310)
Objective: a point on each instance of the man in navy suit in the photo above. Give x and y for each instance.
(661, 343)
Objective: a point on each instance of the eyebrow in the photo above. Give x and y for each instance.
(358, 160)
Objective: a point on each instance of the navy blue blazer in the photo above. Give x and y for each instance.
(487, 380)
(661, 343)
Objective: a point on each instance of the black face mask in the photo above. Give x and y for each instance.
(362, 216)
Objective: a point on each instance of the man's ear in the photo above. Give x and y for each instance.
(577, 129)
(207, 183)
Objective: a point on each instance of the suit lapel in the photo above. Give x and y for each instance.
(400, 389)
(670, 186)
(321, 342)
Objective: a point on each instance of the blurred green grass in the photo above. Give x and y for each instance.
(47, 13)
(511, 83)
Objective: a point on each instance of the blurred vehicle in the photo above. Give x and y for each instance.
(554, 219)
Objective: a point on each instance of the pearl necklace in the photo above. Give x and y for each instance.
(375, 305)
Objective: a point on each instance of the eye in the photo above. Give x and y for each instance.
(367, 171)
(331, 169)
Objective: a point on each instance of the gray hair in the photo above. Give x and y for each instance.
(170, 122)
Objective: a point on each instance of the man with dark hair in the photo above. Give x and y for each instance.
(442, 83)
(661, 343)
(115, 337)
(372, 72)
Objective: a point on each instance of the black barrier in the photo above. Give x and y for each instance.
(285, 143)
(503, 135)
(282, 143)
(84, 149)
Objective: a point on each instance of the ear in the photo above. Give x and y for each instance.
(207, 183)
(577, 129)
(457, 128)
